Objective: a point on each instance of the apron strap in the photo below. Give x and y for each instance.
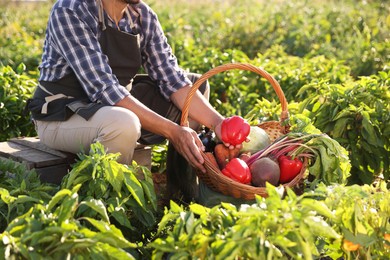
(102, 23)
(49, 99)
(132, 26)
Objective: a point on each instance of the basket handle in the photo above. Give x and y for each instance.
(243, 66)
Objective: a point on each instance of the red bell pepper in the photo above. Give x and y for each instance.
(289, 168)
(237, 170)
(234, 130)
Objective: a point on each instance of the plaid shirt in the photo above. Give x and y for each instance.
(72, 44)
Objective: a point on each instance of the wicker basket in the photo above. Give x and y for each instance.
(213, 177)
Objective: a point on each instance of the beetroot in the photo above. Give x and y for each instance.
(264, 170)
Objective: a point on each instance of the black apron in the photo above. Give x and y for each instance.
(58, 100)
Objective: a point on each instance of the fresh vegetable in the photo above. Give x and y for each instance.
(328, 161)
(265, 170)
(387, 238)
(224, 154)
(234, 130)
(350, 246)
(289, 168)
(212, 159)
(208, 139)
(244, 156)
(237, 170)
(259, 139)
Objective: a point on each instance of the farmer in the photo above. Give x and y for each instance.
(90, 91)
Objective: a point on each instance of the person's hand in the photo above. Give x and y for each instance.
(218, 133)
(187, 143)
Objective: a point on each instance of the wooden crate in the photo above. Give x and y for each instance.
(53, 165)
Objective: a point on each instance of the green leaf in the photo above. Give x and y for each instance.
(67, 208)
(114, 174)
(226, 249)
(6, 197)
(57, 197)
(318, 206)
(23, 185)
(122, 218)
(340, 127)
(167, 219)
(135, 188)
(346, 113)
(22, 199)
(100, 225)
(109, 234)
(44, 239)
(110, 238)
(78, 246)
(17, 227)
(304, 248)
(113, 252)
(199, 209)
(227, 206)
(98, 206)
(320, 228)
(369, 132)
(74, 177)
(284, 242)
(150, 193)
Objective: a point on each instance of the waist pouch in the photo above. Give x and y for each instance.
(62, 109)
(57, 110)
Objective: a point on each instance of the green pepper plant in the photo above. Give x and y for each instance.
(20, 189)
(314, 225)
(126, 191)
(356, 114)
(52, 231)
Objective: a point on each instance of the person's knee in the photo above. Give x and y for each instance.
(127, 125)
(120, 126)
(120, 131)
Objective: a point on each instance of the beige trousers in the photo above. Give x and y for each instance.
(118, 129)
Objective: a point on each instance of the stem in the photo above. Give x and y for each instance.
(302, 148)
(304, 155)
(286, 149)
(256, 155)
(283, 146)
(276, 151)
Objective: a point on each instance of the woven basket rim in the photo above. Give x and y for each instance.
(230, 66)
(213, 176)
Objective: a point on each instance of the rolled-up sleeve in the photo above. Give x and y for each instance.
(158, 58)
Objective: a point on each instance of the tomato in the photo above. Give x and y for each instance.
(387, 238)
(289, 168)
(234, 130)
(237, 170)
(350, 246)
